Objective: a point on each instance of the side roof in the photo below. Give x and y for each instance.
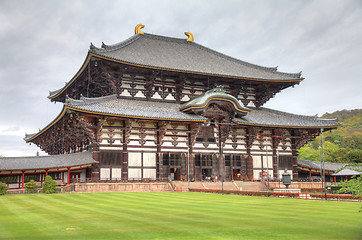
(265, 117)
(46, 162)
(317, 165)
(149, 110)
(347, 172)
(113, 106)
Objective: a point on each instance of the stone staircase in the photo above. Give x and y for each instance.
(251, 186)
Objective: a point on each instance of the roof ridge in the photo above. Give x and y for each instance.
(106, 48)
(314, 117)
(86, 100)
(245, 63)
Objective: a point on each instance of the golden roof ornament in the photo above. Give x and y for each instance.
(138, 28)
(190, 36)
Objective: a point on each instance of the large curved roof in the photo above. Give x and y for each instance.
(177, 54)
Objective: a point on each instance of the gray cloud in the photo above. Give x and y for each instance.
(43, 44)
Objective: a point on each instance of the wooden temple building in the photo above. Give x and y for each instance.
(161, 108)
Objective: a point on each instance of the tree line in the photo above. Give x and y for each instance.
(342, 145)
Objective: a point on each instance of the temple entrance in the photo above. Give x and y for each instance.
(75, 176)
(236, 174)
(175, 174)
(206, 173)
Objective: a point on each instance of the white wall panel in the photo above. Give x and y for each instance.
(105, 173)
(149, 159)
(134, 159)
(149, 173)
(134, 173)
(116, 173)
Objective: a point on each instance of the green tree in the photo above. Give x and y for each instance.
(353, 186)
(343, 144)
(31, 186)
(355, 155)
(49, 186)
(308, 153)
(3, 188)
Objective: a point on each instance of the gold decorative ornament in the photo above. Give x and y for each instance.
(190, 36)
(138, 28)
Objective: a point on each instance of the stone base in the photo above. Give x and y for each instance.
(290, 190)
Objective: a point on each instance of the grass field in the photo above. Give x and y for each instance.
(175, 216)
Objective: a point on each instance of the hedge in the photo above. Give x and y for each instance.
(276, 194)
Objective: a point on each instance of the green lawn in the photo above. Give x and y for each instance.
(175, 216)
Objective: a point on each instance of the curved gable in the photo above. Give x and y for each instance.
(218, 97)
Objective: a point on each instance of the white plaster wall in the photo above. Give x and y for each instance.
(139, 94)
(130, 148)
(134, 173)
(83, 175)
(256, 161)
(156, 96)
(185, 98)
(149, 159)
(268, 162)
(116, 173)
(14, 185)
(134, 159)
(174, 150)
(110, 148)
(105, 173)
(149, 173)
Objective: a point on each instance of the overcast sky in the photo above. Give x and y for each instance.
(44, 43)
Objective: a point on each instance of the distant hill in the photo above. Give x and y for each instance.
(341, 145)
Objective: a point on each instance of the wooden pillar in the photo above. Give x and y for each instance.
(275, 143)
(46, 172)
(294, 156)
(310, 175)
(68, 176)
(191, 163)
(275, 163)
(249, 159)
(125, 152)
(22, 179)
(158, 150)
(231, 166)
(221, 157)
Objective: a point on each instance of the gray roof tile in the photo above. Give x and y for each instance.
(269, 117)
(317, 165)
(46, 162)
(347, 172)
(132, 108)
(178, 54)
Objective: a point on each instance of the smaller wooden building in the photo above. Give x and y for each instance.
(16, 171)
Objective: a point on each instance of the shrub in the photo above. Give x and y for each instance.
(31, 186)
(277, 194)
(353, 186)
(3, 188)
(49, 186)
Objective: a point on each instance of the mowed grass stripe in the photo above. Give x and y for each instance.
(175, 216)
